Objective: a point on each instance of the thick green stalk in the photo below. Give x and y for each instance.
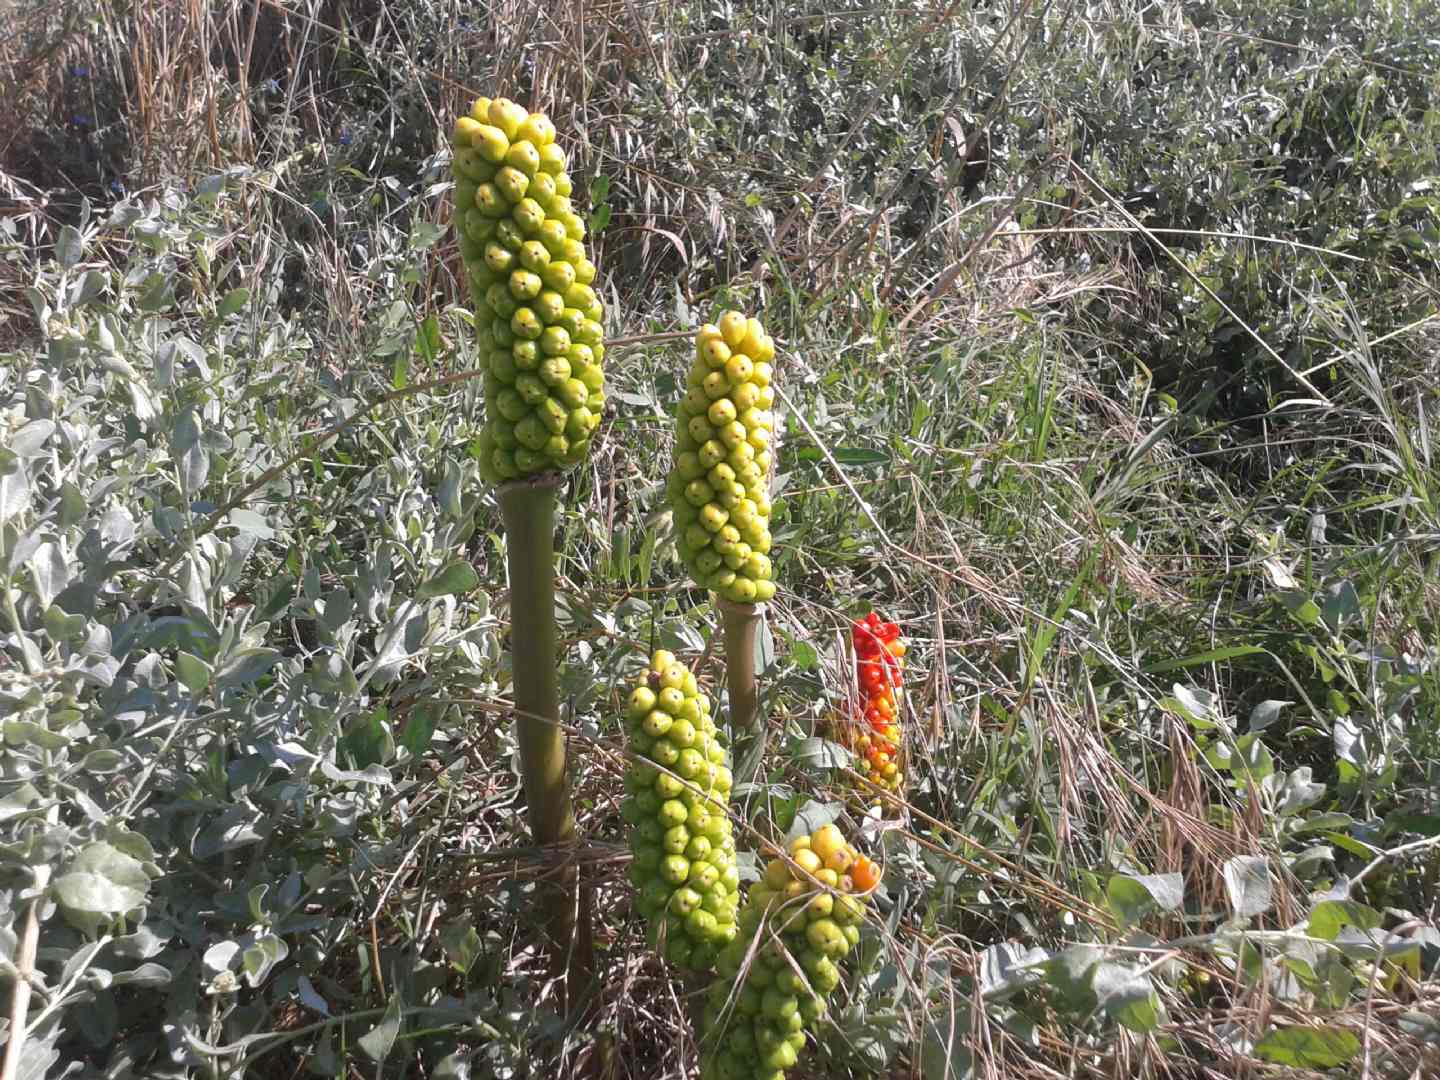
(528, 508)
(742, 623)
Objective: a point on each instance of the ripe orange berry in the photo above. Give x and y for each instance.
(865, 873)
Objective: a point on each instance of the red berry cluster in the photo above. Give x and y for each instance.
(879, 658)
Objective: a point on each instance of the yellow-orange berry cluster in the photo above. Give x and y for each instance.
(806, 913)
(537, 318)
(875, 735)
(720, 486)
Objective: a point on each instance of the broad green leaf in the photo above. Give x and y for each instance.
(29, 733)
(1134, 896)
(1251, 760)
(194, 673)
(102, 762)
(458, 576)
(260, 956)
(804, 656)
(461, 944)
(368, 740)
(234, 300)
(1341, 605)
(1128, 997)
(419, 729)
(1330, 916)
(1309, 1048)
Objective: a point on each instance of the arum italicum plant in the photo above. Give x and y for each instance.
(720, 487)
(538, 325)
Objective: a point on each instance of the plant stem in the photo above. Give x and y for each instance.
(25, 954)
(742, 622)
(528, 508)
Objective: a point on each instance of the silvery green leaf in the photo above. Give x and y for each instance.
(69, 247)
(222, 956)
(30, 440)
(822, 753)
(260, 956)
(236, 827)
(1128, 997)
(1299, 792)
(1007, 967)
(102, 881)
(1247, 883)
(310, 997)
(18, 801)
(146, 975)
(1266, 713)
(50, 571)
(91, 284)
(248, 521)
(38, 1056)
(14, 490)
(811, 816)
(194, 673)
(448, 495)
(1199, 705)
(141, 945)
(377, 1042)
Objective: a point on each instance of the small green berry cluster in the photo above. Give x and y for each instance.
(676, 807)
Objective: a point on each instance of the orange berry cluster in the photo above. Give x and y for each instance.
(875, 735)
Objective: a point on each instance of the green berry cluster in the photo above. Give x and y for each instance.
(536, 315)
(676, 807)
(807, 912)
(720, 486)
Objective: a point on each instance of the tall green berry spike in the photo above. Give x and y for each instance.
(720, 487)
(537, 317)
(677, 808)
(538, 324)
